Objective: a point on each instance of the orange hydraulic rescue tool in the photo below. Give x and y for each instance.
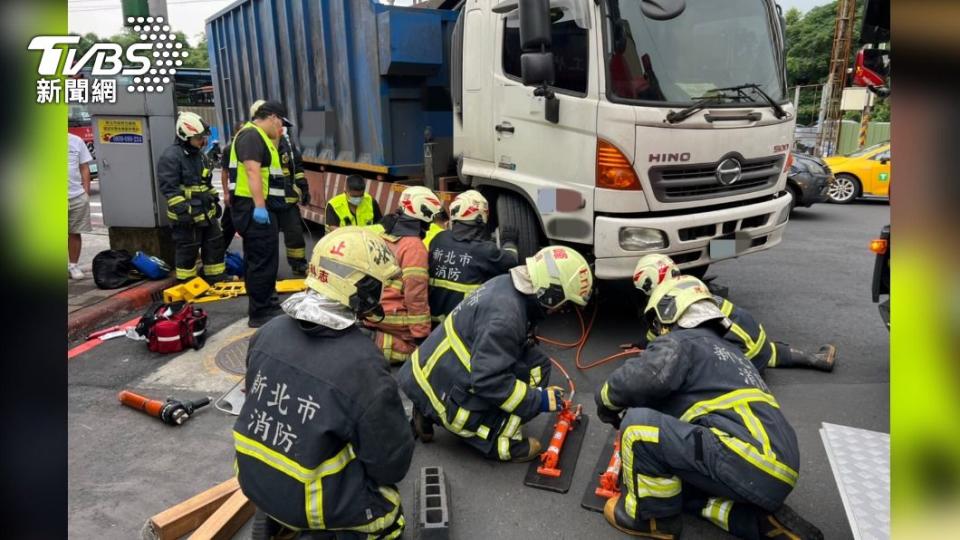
(609, 480)
(171, 411)
(567, 419)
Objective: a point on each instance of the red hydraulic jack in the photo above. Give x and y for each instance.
(567, 419)
(610, 479)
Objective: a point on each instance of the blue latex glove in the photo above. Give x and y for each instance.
(261, 216)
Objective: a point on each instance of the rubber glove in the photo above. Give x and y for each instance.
(261, 216)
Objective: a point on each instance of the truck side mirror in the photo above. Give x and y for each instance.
(536, 68)
(663, 10)
(534, 25)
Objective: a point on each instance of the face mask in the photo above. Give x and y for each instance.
(355, 200)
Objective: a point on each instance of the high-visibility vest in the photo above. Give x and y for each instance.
(266, 171)
(364, 215)
(431, 232)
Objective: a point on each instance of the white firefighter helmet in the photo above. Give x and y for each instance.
(189, 124)
(420, 203)
(470, 206)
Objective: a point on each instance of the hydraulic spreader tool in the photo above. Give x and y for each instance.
(172, 411)
(609, 484)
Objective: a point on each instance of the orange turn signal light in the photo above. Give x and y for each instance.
(789, 162)
(878, 246)
(614, 170)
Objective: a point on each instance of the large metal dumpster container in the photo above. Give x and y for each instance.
(361, 80)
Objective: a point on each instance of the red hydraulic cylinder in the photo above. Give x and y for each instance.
(550, 457)
(609, 480)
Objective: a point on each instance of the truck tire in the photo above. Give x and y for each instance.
(513, 210)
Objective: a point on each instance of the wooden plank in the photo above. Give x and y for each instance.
(227, 520)
(186, 516)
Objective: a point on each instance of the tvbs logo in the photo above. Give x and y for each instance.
(145, 66)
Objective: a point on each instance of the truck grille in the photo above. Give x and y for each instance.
(699, 181)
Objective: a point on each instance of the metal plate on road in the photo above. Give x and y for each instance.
(568, 458)
(590, 500)
(232, 358)
(860, 460)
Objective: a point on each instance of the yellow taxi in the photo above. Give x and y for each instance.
(864, 172)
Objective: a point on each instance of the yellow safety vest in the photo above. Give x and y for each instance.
(243, 188)
(433, 231)
(364, 215)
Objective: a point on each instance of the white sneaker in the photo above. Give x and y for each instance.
(75, 272)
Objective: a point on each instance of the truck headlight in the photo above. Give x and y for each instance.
(642, 239)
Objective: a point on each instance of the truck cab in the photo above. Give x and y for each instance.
(653, 131)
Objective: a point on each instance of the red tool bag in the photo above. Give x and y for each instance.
(170, 328)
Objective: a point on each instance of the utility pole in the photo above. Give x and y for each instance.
(837, 79)
(158, 8)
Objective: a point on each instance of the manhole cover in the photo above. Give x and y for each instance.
(233, 357)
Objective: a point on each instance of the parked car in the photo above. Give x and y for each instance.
(809, 181)
(865, 172)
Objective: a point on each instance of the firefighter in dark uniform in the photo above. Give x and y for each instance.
(463, 257)
(258, 198)
(322, 439)
(701, 431)
(228, 181)
(295, 191)
(745, 331)
(480, 374)
(185, 178)
(352, 207)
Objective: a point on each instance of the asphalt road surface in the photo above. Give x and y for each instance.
(812, 288)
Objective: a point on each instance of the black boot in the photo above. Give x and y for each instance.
(662, 528)
(787, 524)
(823, 360)
(422, 426)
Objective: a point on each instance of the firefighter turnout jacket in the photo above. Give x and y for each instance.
(477, 374)
(185, 178)
(747, 333)
(322, 436)
(459, 267)
(405, 301)
(295, 180)
(698, 377)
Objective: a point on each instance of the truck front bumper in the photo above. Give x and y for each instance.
(760, 226)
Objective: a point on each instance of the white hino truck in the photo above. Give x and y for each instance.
(627, 126)
(620, 127)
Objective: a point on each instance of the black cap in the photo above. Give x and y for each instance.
(274, 107)
(356, 182)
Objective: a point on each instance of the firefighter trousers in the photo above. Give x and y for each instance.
(292, 228)
(207, 241)
(261, 253)
(670, 466)
(510, 441)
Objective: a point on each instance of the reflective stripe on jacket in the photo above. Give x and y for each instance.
(185, 178)
(322, 436)
(699, 377)
(458, 267)
(464, 376)
(405, 301)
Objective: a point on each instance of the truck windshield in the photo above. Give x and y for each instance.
(712, 44)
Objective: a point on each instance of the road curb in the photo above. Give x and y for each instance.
(85, 320)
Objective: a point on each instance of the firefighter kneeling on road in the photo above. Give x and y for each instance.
(464, 257)
(185, 178)
(322, 437)
(406, 302)
(480, 374)
(701, 431)
(745, 331)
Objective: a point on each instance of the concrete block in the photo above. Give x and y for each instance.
(433, 505)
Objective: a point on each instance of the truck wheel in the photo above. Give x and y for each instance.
(514, 211)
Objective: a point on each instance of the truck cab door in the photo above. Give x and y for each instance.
(533, 153)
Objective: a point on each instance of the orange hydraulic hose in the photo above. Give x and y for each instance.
(581, 343)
